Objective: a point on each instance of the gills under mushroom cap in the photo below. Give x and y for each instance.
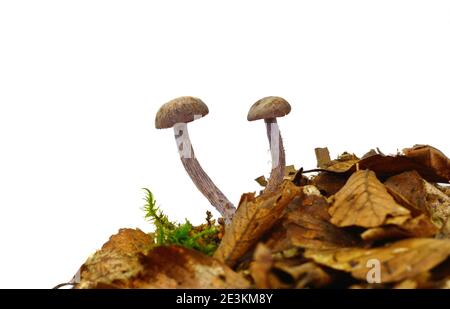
(180, 110)
(269, 107)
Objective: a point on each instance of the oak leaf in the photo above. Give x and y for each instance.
(398, 261)
(365, 202)
(254, 216)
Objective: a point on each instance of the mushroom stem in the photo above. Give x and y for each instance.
(201, 180)
(277, 153)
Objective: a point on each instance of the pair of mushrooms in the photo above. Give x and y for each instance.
(178, 112)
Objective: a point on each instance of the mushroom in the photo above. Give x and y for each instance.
(269, 108)
(177, 113)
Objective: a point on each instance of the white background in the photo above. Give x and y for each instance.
(81, 81)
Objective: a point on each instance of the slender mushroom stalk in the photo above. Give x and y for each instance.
(269, 108)
(177, 113)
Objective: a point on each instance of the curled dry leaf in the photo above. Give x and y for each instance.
(343, 163)
(323, 157)
(365, 202)
(429, 162)
(254, 216)
(408, 189)
(432, 158)
(305, 275)
(289, 174)
(306, 225)
(398, 261)
(384, 232)
(268, 273)
(412, 191)
(180, 267)
(329, 183)
(260, 268)
(117, 261)
(420, 226)
(262, 181)
(127, 260)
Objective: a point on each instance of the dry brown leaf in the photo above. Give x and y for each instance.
(289, 174)
(305, 275)
(329, 183)
(117, 261)
(387, 166)
(254, 216)
(306, 225)
(422, 281)
(430, 157)
(180, 267)
(262, 181)
(420, 226)
(384, 232)
(416, 194)
(408, 189)
(260, 267)
(364, 201)
(323, 157)
(268, 273)
(445, 189)
(399, 261)
(337, 166)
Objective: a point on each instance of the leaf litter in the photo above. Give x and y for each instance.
(334, 226)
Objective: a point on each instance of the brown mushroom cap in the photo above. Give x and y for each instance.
(179, 110)
(269, 107)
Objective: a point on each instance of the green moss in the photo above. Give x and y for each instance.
(203, 238)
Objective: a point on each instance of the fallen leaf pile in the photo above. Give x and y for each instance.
(376, 222)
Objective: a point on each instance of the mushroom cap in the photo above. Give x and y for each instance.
(179, 110)
(269, 107)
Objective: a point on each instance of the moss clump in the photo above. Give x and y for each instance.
(204, 238)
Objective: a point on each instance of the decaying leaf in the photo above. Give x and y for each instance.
(430, 157)
(343, 163)
(329, 183)
(323, 157)
(180, 267)
(365, 202)
(261, 180)
(254, 216)
(421, 281)
(398, 261)
(444, 233)
(289, 174)
(408, 189)
(429, 162)
(117, 261)
(420, 226)
(260, 268)
(384, 232)
(308, 226)
(269, 273)
(412, 191)
(305, 275)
